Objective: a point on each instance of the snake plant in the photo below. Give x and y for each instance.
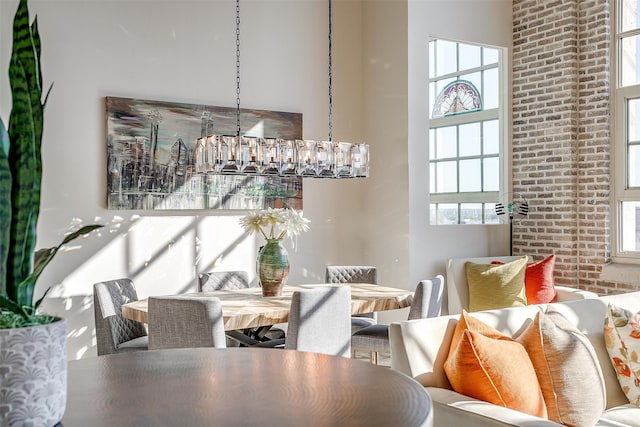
(20, 181)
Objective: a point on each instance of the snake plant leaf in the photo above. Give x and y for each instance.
(4, 140)
(25, 134)
(37, 303)
(7, 304)
(5, 206)
(23, 167)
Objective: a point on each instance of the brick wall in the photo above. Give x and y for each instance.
(561, 135)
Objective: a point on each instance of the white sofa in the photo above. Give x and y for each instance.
(420, 347)
(457, 295)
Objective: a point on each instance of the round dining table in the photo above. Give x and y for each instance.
(240, 387)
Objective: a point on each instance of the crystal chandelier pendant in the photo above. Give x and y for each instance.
(250, 155)
(270, 156)
(255, 155)
(227, 155)
(325, 158)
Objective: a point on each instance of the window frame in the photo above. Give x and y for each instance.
(483, 197)
(619, 125)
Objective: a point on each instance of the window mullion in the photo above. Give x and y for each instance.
(456, 74)
(477, 116)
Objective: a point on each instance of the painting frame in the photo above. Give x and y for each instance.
(150, 146)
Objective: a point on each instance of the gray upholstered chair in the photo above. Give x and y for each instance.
(114, 333)
(354, 274)
(217, 280)
(319, 322)
(185, 321)
(228, 280)
(427, 302)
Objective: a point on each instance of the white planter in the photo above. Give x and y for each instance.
(33, 375)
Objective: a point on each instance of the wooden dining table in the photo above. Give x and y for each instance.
(247, 308)
(240, 387)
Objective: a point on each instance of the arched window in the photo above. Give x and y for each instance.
(457, 97)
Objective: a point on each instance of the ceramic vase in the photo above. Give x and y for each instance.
(273, 268)
(33, 375)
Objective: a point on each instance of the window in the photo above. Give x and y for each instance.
(466, 136)
(627, 127)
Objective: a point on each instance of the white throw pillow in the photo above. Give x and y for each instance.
(622, 339)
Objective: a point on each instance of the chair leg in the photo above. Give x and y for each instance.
(373, 355)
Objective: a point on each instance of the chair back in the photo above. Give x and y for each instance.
(427, 299)
(184, 321)
(320, 321)
(351, 274)
(219, 280)
(111, 328)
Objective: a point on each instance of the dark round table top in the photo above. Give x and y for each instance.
(240, 386)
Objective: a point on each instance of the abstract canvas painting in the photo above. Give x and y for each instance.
(150, 153)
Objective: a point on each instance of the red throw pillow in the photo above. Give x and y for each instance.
(538, 281)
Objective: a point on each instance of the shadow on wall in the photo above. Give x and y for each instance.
(77, 310)
(161, 254)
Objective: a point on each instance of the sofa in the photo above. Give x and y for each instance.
(456, 297)
(420, 347)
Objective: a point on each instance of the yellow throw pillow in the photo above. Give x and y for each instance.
(493, 286)
(488, 365)
(567, 368)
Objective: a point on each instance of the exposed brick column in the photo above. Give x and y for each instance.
(561, 141)
(595, 146)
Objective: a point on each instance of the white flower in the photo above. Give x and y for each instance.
(252, 222)
(275, 223)
(295, 223)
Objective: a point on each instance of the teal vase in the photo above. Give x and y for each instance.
(273, 268)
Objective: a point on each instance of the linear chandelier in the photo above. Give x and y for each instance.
(249, 155)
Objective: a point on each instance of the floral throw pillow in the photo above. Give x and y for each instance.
(622, 339)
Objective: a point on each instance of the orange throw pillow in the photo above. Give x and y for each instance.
(538, 281)
(488, 365)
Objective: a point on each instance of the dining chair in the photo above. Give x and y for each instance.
(427, 302)
(217, 280)
(185, 321)
(354, 274)
(229, 280)
(319, 322)
(114, 333)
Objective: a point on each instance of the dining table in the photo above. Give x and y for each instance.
(247, 308)
(240, 387)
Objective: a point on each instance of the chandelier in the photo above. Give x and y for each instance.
(248, 155)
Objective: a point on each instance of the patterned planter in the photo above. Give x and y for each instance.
(33, 375)
(273, 267)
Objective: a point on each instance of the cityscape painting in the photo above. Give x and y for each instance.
(150, 157)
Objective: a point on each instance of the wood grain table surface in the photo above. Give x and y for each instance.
(240, 387)
(247, 308)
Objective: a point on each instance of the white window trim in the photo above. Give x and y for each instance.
(619, 165)
(491, 114)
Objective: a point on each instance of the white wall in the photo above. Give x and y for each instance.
(396, 37)
(478, 21)
(184, 51)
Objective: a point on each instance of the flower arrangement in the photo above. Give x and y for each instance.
(275, 223)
